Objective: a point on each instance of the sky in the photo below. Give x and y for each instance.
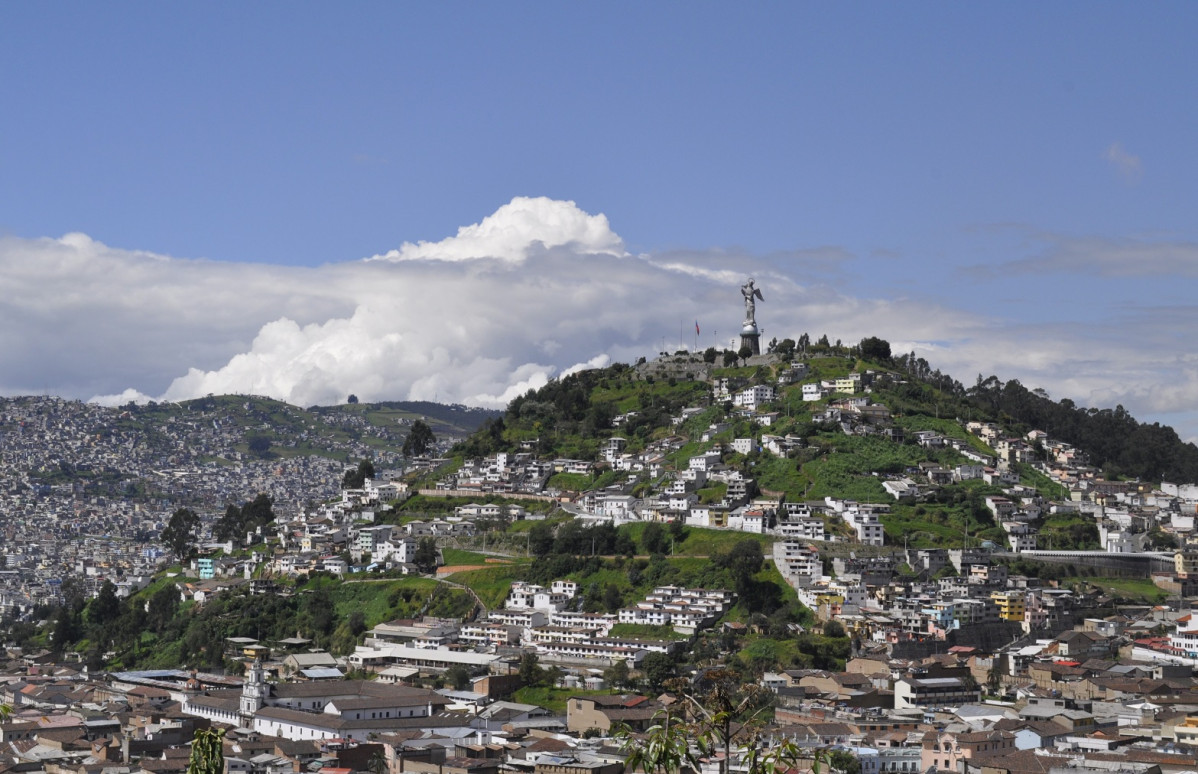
(459, 201)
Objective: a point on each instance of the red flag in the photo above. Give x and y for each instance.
(696, 327)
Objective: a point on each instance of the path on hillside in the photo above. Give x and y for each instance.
(477, 599)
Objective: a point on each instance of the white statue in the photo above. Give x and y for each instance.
(750, 292)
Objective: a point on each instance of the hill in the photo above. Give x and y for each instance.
(877, 424)
(117, 451)
(574, 416)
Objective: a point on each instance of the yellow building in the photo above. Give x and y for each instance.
(1186, 731)
(1010, 605)
(1185, 563)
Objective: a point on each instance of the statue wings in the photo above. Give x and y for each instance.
(757, 292)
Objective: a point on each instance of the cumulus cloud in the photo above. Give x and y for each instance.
(1128, 165)
(514, 229)
(128, 395)
(536, 290)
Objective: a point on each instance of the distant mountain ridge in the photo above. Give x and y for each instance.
(119, 451)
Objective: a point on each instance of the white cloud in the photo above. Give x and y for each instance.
(128, 395)
(1128, 165)
(533, 291)
(516, 228)
(598, 361)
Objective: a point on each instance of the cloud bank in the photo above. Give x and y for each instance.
(535, 290)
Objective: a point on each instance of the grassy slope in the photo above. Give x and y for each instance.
(1136, 589)
(493, 583)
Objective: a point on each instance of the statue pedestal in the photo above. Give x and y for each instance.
(750, 337)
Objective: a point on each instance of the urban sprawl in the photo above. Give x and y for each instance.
(958, 663)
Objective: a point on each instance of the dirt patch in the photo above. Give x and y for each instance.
(450, 569)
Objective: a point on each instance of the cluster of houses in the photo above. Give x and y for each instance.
(941, 594)
(538, 619)
(84, 488)
(504, 473)
(1092, 692)
(143, 722)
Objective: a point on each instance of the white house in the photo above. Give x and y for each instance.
(754, 397)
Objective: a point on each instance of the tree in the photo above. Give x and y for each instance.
(257, 513)
(744, 353)
(163, 605)
(66, 629)
(551, 677)
(844, 762)
(1158, 540)
(258, 444)
(229, 525)
(73, 593)
(105, 607)
(726, 703)
(540, 539)
(351, 399)
(743, 561)
(425, 557)
(658, 667)
(237, 522)
(617, 675)
(530, 669)
(663, 748)
(613, 600)
(459, 677)
(207, 752)
(677, 530)
(356, 479)
(181, 533)
(653, 539)
(994, 676)
(419, 440)
(873, 348)
(709, 355)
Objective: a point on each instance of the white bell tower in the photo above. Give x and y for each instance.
(253, 693)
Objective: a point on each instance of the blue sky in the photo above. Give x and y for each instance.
(1021, 171)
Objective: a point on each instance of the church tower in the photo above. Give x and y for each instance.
(253, 693)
